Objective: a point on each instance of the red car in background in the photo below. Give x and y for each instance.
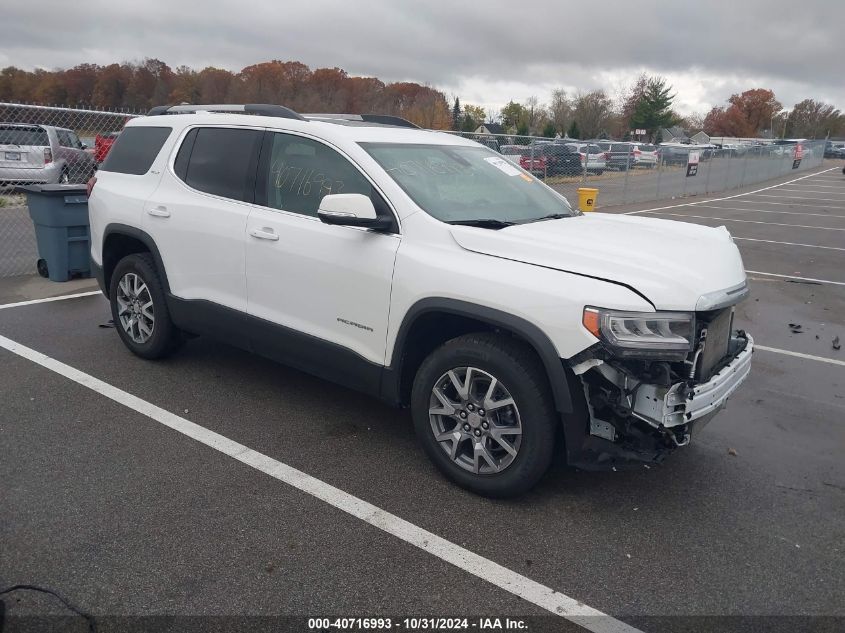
(102, 145)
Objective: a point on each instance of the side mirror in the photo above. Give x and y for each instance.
(83, 146)
(350, 209)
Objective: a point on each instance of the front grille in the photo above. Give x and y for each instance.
(717, 342)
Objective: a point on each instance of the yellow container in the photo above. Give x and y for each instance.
(587, 198)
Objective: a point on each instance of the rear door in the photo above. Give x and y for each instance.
(197, 215)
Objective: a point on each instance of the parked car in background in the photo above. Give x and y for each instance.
(102, 145)
(630, 155)
(547, 158)
(33, 154)
(834, 149)
(515, 152)
(488, 141)
(678, 153)
(592, 155)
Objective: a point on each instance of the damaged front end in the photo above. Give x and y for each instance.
(653, 380)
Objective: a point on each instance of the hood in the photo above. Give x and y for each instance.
(673, 264)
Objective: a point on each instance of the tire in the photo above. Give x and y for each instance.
(41, 267)
(519, 376)
(64, 177)
(159, 337)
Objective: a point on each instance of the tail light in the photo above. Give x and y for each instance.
(90, 186)
(637, 152)
(48, 155)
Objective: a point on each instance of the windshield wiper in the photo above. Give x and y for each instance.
(551, 216)
(484, 223)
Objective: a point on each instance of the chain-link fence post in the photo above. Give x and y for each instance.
(744, 167)
(627, 173)
(45, 145)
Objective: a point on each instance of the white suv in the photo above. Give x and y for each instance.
(426, 270)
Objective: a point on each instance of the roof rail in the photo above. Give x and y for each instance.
(383, 119)
(262, 109)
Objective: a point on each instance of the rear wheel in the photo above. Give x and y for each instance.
(64, 177)
(139, 309)
(484, 413)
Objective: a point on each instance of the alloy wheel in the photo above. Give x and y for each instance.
(475, 420)
(135, 308)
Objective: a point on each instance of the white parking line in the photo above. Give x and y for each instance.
(768, 195)
(789, 204)
(818, 281)
(813, 191)
(786, 352)
(710, 217)
(738, 195)
(820, 215)
(811, 183)
(462, 558)
(48, 299)
(753, 239)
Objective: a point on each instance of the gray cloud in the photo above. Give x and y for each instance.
(486, 53)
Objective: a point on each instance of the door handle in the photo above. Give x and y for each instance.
(159, 211)
(264, 234)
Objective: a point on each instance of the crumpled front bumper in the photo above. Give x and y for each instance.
(658, 418)
(681, 404)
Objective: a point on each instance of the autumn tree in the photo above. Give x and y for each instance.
(513, 114)
(472, 117)
(814, 119)
(746, 115)
(631, 100)
(140, 85)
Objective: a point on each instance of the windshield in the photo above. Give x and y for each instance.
(454, 183)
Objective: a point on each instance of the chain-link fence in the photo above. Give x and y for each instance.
(40, 144)
(628, 172)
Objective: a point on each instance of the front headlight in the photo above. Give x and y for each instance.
(666, 335)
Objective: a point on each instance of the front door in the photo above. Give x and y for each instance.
(327, 286)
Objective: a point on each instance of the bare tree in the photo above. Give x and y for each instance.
(593, 111)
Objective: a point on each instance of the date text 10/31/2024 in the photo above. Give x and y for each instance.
(417, 624)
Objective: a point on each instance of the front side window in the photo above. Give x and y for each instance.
(302, 171)
(455, 183)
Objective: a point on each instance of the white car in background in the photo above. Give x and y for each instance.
(593, 155)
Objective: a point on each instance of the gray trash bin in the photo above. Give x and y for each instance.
(60, 216)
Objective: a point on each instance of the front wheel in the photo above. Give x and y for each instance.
(483, 411)
(139, 310)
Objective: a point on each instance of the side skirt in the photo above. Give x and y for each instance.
(307, 353)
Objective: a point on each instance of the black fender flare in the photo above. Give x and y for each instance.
(115, 228)
(535, 337)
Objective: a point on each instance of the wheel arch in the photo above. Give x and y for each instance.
(120, 240)
(432, 321)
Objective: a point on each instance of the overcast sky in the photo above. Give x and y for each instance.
(486, 53)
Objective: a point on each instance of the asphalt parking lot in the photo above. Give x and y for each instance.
(166, 488)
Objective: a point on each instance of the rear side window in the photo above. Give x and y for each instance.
(222, 161)
(135, 150)
(31, 136)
